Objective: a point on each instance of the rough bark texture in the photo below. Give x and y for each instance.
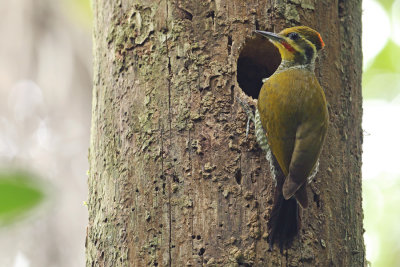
(173, 179)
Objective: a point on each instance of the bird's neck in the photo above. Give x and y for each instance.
(290, 64)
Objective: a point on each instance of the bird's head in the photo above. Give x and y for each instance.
(297, 45)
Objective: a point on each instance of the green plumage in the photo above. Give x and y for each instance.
(293, 112)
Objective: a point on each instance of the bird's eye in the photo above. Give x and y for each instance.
(293, 35)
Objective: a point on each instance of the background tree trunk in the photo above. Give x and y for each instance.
(173, 179)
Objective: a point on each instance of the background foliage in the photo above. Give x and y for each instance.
(381, 168)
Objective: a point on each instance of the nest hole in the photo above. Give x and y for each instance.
(258, 59)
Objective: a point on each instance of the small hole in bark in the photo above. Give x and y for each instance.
(229, 44)
(193, 236)
(232, 95)
(198, 237)
(155, 263)
(238, 176)
(258, 59)
(317, 200)
(210, 14)
(156, 188)
(201, 252)
(183, 13)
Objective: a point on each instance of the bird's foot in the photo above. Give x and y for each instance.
(249, 113)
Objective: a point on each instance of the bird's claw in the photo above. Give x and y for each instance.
(249, 113)
(247, 108)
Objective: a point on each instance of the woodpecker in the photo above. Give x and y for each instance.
(293, 113)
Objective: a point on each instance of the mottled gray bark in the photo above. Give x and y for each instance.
(173, 179)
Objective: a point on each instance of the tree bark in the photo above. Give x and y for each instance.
(173, 179)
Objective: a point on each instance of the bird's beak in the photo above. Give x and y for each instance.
(270, 35)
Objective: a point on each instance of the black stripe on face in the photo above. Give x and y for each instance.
(309, 51)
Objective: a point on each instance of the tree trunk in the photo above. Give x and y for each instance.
(173, 179)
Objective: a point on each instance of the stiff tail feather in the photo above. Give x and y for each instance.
(284, 223)
(285, 220)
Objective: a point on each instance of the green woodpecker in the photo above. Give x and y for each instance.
(294, 115)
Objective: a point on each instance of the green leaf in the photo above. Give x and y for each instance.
(386, 60)
(79, 11)
(19, 193)
(382, 79)
(387, 4)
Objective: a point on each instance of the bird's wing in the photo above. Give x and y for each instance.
(307, 147)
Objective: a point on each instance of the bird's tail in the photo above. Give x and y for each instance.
(284, 222)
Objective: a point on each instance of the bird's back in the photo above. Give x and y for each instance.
(287, 100)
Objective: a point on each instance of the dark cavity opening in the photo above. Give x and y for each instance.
(238, 176)
(258, 59)
(201, 252)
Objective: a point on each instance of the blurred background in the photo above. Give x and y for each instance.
(381, 124)
(45, 87)
(45, 92)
